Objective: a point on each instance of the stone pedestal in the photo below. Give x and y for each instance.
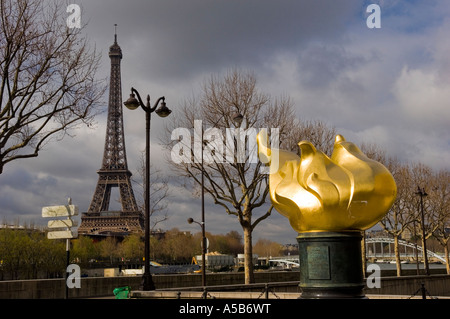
(331, 265)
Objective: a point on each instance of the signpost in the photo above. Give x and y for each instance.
(61, 228)
(60, 234)
(60, 211)
(62, 223)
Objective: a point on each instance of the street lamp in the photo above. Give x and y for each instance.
(422, 194)
(132, 103)
(202, 225)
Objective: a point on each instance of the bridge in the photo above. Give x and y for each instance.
(378, 248)
(289, 262)
(385, 251)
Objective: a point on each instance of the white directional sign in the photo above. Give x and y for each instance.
(61, 228)
(61, 234)
(62, 223)
(60, 211)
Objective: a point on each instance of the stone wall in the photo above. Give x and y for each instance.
(104, 286)
(436, 285)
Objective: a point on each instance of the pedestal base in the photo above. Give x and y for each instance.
(330, 265)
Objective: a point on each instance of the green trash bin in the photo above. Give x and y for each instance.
(121, 292)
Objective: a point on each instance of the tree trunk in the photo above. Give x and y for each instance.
(397, 257)
(447, 259)
(363, 253)
(426, 268)
(248, 254)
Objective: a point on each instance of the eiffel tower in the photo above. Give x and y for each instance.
(99, 220)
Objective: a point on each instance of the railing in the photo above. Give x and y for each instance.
(265, 290)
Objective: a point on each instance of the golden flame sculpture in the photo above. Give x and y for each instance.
(347, 192)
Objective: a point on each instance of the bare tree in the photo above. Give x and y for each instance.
(319, 133)
(422, 177)
(268, 248)
(231, 177)
(401, 216)
(47, 73)
(236, 182)
(440, 204)
(406, 213)
(377, 153)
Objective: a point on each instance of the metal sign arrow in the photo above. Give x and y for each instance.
(60, 234)
(62, 223)
(60, 211)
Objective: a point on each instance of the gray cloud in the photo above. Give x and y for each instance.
(178, 39)
(321, 65)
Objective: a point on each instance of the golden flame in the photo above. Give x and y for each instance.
(346, 192)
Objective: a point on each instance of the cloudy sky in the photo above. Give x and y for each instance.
(388, 85)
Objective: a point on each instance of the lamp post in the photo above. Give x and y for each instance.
(202, 225)
(421, 192)
(132, 103)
